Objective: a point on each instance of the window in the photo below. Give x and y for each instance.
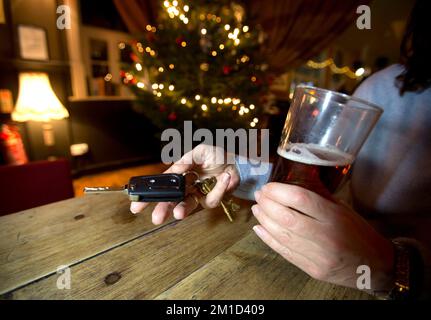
(102, 59)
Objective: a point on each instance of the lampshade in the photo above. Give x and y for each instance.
(36, 99)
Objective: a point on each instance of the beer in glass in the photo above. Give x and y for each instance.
(322, 135)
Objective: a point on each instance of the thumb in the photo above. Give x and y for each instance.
(214, 197)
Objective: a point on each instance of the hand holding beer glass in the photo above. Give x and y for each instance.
(298, 217)
(323, 133)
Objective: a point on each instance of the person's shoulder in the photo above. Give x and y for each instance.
(386, 76)
(380, 84)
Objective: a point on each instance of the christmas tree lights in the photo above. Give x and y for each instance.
(202, 63)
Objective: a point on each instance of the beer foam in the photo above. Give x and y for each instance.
(314, 154)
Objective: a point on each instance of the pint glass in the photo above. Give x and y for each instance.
(322, 135)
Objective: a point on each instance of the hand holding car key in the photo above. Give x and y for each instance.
(165, 188)
(202, 161)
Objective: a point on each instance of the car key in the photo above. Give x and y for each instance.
(229, 206)
(168, 187)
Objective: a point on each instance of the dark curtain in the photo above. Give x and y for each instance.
(296, 30)
(137, 14)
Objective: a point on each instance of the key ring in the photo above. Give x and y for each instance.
(194, 173)
(191, 172)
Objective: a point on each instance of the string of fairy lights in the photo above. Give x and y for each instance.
(359, 73)
(233, 38)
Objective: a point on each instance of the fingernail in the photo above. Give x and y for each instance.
(256, 229)
(134, 208)
(178, 215)
(156, 221)
(226, 177)
(257, 195)
(255, 209)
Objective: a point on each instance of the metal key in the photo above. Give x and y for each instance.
(155, 188)
(229, 207)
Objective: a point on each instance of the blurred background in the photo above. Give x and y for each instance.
(83, 101)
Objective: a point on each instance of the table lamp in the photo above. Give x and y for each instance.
(38, 102)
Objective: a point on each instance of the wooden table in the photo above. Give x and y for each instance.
(113, 254)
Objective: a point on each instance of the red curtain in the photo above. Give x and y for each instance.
(296, 30)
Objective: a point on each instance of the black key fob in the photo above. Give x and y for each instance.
(168, 187)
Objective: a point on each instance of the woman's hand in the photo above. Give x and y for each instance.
(206, 161)
(326, 240)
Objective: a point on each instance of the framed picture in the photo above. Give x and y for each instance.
(33, 44)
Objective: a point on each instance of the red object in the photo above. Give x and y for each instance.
(226, 70)
(12, 147)
(34, 184)
(134, 57)
(172, 116)
(162, 108)
(179, 40)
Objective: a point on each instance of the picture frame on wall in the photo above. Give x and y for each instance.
(33, 43)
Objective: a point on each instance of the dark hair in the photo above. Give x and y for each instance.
(416, 50)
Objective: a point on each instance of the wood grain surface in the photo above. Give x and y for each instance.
(33, 243)
(151, 264)
(113, 254)
(251, 270)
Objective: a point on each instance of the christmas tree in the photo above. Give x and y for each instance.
(201, 62)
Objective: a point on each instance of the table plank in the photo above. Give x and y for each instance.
(148, 266)
(247, 270)
(33, 243)
(318, 290)
(251, 270)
